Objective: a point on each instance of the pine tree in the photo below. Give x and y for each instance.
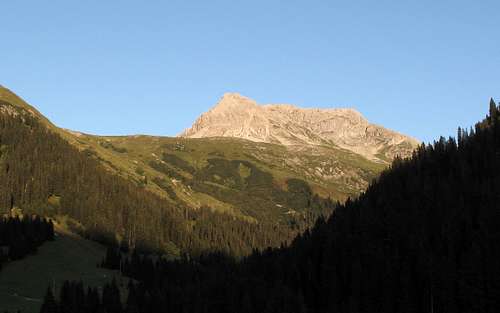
(493, 111)
(132, 305)
(111, 298)
(49, 303)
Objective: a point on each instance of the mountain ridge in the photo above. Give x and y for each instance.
(238, 116)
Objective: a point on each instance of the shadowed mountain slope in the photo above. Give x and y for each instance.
(422, 238)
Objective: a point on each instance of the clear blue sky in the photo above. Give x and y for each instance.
(125, 67)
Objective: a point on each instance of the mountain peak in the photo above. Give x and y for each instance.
(233, 96)
(241, 117)
(232, 100)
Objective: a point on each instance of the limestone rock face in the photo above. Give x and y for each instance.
(240, 117)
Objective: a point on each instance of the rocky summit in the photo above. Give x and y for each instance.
(241, 117)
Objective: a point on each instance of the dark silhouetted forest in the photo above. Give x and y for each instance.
(423, 238)
(20, 236)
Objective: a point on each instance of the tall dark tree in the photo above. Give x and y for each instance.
(49, 303)
(111, 299)
(493, 110)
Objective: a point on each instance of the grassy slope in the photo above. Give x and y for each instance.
(23, 283)
(329, 170)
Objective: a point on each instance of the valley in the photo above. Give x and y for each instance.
(187, 217)
(249, 157)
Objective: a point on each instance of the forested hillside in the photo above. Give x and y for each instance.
(42, 173)
(264, 183)
(423, 238)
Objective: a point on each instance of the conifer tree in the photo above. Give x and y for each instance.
(49, 304)
(493, 111)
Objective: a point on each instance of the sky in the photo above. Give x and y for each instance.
(422, 68)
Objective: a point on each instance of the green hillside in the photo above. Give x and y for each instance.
(230, 174)
(172, 194)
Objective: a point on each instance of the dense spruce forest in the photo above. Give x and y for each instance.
(423, 238)
(20, 236)
(42, 173)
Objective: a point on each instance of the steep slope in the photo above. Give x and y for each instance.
(42, 173)
(16, 104)
(241, 117)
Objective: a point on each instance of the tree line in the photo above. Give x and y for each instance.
(20, 236)
(73, 297)
(422, 238)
